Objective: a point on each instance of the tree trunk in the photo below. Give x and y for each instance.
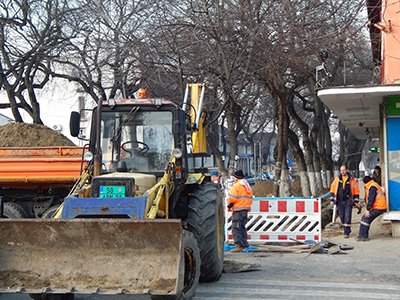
(233, 124)
(316, 141)
(329, 178)
(317, 172)
(324, 139)
(310, 184)
(13, 105)
(282, 180)
(284, 187)
(301, 164)
(328, 163)
(34, 103)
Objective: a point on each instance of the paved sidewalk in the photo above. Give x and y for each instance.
(372, 261)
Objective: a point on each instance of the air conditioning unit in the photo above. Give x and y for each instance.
(57, 127)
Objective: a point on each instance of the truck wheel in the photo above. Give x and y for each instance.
(192, 270)
(52, 296)
(206, 222)
(14, 211)
(51, 212)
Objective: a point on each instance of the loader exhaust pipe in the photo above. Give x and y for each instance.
(98, 155)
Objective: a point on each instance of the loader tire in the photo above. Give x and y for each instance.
(192, 270)
(52, 296)
(206, 222)
(14, 211)
(51, 212)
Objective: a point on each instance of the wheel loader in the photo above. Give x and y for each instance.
(143, 219)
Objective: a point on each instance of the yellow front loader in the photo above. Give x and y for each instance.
(144, 218)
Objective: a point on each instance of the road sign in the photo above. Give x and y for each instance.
(289, 162)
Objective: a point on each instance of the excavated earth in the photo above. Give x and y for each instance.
(265, 188)
(31, 135)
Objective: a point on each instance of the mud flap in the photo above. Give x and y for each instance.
(91, 256)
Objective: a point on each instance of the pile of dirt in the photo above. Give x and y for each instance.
(326, 215)
(295, 188)
(263, 188)
(31, 135)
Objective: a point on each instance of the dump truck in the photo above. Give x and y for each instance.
(35, 180)
(144, 218)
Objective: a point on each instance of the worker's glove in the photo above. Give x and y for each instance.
(230, 205)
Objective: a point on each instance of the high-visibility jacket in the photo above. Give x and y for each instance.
(241, 195)
(351, 189)
(377, 201)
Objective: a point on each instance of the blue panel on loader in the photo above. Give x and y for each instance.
(130, 207)
(393, 151)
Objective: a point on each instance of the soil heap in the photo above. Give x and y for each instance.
(295, 188)
(31, 135)
(263, 188)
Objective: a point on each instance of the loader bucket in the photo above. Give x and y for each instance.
(91, 256)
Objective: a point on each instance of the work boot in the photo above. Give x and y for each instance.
(238, 249)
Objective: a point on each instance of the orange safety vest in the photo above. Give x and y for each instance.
(241, 195)
(380, 200)
(355, 190)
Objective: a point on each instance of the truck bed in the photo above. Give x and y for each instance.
(28, 167)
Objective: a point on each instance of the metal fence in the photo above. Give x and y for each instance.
(281, 220)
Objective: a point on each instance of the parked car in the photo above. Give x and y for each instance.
(269, 176)
(252, 180)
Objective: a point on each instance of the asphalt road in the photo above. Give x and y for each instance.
(368, 271)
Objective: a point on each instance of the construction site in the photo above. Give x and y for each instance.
(136, 203)
(296, 243)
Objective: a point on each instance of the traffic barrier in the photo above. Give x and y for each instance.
(281, 220)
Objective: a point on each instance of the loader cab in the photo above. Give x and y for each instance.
(138, 135)
(142, 140)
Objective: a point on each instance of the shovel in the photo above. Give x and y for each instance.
(333, 225)
(356, 205)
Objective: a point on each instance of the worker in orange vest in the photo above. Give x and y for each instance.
(345, 193)
(375, 200)
(239, 201)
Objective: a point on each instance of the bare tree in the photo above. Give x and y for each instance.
(222, 43)
(103, 55)
(208, 41)
(289, 49)
(260, 117)
(251, 54)
(30, 37)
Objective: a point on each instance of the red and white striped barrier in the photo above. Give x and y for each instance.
(281, 220)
